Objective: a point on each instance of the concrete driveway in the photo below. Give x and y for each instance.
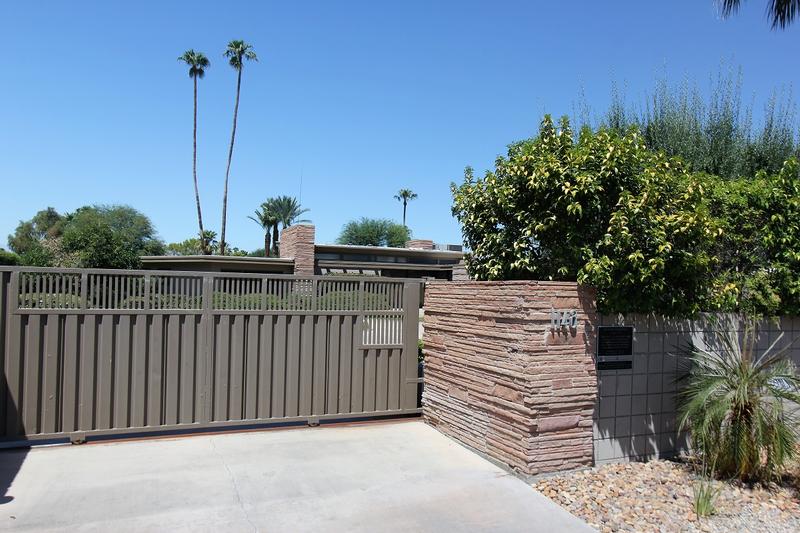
(399, 476)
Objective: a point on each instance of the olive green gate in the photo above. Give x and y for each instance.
(115, 351)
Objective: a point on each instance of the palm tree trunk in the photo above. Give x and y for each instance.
(266, 242)
(228, 170)
(203, 247)
(275, 249)
(405, 203)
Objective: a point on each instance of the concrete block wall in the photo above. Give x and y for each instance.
(498, 379)
(636, 417)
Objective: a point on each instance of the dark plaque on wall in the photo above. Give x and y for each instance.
(614, 341)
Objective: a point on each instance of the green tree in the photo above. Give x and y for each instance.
(198, 63)
(405, 196)
(782, 12)
(29, 234)
(93, 236)
(602, 210)
(237, 52)
(94, 244)
(757, 254)
(717, 132)
(266, 217)
(374, 232)
(193, 246)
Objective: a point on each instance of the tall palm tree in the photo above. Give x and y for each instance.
(198, 63)
(782, 12)
(237, 52)
(405, 196)
(266, 218)
(289, 210)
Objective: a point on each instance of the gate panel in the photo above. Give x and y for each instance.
(104, 352)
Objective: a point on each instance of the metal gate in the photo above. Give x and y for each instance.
(119, 351)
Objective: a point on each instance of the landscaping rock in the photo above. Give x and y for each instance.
(658, 497)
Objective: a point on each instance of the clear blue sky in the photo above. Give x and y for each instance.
(362, 98)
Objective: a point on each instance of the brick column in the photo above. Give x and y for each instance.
(500, 380)
(297, 242)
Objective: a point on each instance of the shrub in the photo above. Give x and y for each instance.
(602, 210)
(733, 404)
(374, 232)
(8, 258)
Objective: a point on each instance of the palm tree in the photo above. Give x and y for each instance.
(289, 210)
(737, 404)
(236, 53)
(198, 63)
(782, 12)
(266, 218)
(405, 196)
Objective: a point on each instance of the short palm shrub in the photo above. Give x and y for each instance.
(738, 406)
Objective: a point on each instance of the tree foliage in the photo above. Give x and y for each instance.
(374, 232)
(602, 210)
(93, 236)
(713, 133)
(637, 225)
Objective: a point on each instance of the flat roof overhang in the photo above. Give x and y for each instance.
(387, 250)
(218, 263)
(374, 265)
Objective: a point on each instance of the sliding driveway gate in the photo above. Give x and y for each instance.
(119, 351)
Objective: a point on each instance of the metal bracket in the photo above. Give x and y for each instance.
(313, 422)
(77, 438)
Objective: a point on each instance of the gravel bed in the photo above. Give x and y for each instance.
(658, 496)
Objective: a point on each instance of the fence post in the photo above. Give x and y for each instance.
(408, 391)
(147, 291)
(84, 291)
(206, 348)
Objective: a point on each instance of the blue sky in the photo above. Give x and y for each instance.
(360, 98)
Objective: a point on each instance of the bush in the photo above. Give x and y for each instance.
(603, 210)
(757, 254)
(733, 404)
(374, 232)
(8, 258)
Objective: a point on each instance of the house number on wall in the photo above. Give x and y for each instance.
(563, 319)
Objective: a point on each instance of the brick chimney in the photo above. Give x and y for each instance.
(297, 242)
(420, 244)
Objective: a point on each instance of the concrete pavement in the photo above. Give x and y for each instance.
(399, 476)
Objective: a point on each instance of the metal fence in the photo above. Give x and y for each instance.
(110, 351)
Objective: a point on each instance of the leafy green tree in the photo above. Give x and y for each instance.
(237, 53)
(602, 210)
(714, 133)
(782, 12)
(198, 63)
(405, 196)
(374, 232)
(757, 267)
(96, 245)
(93, 236)
(30, 234)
